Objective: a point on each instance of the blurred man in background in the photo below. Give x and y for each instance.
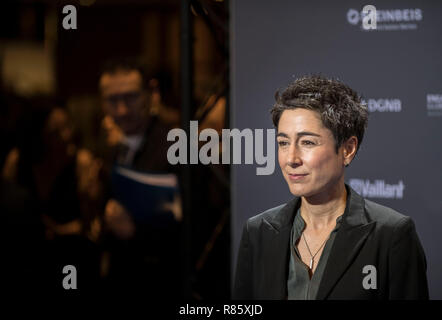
(139, 255)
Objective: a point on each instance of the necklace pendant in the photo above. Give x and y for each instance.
(311, 264)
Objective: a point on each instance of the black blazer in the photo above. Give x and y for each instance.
(370, 234)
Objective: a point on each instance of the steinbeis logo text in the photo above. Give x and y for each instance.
(387, 19)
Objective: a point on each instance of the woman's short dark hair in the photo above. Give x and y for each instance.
(338, 105)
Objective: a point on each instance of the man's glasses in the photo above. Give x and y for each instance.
(129, 98)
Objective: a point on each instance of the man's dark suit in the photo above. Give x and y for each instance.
(149, 261)
(370, 234)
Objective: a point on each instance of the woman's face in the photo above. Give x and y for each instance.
(306, 154)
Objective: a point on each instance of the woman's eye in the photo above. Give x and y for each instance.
(307, 142)
(282, 143)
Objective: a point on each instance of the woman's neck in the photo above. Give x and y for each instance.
(321, 211)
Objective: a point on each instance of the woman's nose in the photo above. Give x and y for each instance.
(293, 156)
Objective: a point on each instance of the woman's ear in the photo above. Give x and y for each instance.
(350, 148)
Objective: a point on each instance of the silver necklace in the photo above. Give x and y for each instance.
(312, 257)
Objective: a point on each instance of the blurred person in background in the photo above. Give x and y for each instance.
(22, 235)
(138, 256)
(43, 168)
(162, 101)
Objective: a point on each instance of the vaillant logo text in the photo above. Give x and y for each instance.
(378, 189)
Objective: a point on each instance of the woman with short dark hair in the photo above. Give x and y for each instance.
(328, 242)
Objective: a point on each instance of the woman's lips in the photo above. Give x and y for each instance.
(296, 177)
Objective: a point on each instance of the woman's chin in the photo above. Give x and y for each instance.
(298, 190)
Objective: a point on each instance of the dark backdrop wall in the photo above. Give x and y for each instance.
(398, 70)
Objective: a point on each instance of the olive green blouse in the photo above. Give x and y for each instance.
(299, 284)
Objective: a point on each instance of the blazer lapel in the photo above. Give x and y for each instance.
(349, 239)
(277, 253)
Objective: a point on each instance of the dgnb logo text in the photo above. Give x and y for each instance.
(383, 105)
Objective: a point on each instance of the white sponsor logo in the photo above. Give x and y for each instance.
(434, 104)
(378, 189)
(385, 20)
(383, 105)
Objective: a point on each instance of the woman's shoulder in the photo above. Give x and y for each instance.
(385, 216)
(276, 216)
